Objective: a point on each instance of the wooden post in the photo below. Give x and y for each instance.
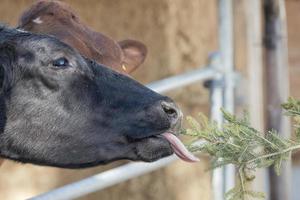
(277, 88)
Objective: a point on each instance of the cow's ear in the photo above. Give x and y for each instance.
(31, 13)
(134, 54)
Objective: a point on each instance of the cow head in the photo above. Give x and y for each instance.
(58, 19)
(58, 108)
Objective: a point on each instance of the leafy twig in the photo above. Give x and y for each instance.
(239, 144)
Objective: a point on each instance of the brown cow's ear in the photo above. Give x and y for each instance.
(134, 54)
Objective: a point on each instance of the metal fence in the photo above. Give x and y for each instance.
(220, 72)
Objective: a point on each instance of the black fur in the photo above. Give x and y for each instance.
(76, 116)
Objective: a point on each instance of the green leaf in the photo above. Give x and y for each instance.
(277, 166)
(190, 132)
(233, 193)
(194, 124)
(297, 133)
(257, 195)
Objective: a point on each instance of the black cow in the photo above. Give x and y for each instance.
(58, 108)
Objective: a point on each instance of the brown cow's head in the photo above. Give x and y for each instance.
(58, 19)
(58, 108)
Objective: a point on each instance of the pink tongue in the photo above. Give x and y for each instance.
(180, 149)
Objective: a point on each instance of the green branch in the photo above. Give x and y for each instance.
(239, 144)
(288, 150)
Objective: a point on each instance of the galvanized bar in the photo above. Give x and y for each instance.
(227, 62)
(165, 85)
(104, 180)
(216, 103)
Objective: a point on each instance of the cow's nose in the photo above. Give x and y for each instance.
(172, 112)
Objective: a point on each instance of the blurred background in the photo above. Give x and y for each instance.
(179, 35)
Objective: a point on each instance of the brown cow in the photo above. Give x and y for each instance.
(58, 19)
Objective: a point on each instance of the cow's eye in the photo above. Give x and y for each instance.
(61, 62)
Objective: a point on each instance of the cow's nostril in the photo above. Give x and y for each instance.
(172, 111)
(169, 111)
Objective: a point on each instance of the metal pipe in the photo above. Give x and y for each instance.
(182, 80)
(227, 62)
(216, 101)
(106, 179)
(103, 180)
(226, 51)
